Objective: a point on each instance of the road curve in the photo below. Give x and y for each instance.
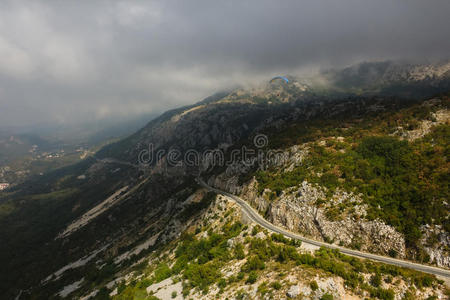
(254, 215)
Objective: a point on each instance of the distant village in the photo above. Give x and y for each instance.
(13, 174)
(55, 154)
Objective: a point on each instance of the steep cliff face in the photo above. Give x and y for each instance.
(436, 243)
(301, 209)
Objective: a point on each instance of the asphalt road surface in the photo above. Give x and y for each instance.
(254, 216)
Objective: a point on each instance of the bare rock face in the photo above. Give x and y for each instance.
(436, 243)
(250, 193)
(293, 291)
(226, 183)
(296, 210)
(301, 209)
(439, 117)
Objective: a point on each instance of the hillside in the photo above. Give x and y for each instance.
(358, 162)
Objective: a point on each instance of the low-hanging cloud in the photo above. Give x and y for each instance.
(74, 61)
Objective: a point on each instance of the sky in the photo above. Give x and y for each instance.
(65, 62)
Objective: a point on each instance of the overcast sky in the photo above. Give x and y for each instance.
(71, 61)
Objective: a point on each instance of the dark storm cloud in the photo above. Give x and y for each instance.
(65, 61)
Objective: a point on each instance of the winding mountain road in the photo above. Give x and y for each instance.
(255, 217)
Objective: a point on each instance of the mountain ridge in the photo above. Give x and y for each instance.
(288, 114)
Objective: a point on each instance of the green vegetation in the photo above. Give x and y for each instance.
(239, 251)
(278, 237)
(404, 183)
(375, 280)
(199, 263)
(350, 269)
(327, 297)
(256, 229)
(263, 288)
(334, 262)
(46, 204)
(254, 263)
(276, 285)
(314, 286)
(252, 277)
(162, 272)
(201, 260)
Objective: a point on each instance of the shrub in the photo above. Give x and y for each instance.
(278, 237)
(222, 283)
(382, 294)
(254, 263)
(276, 285)
(296, 243)
(327, 297)
(375, 280)
(180, 264)
(314, 286)
(240, 275)
(241, 295)
(256, 229)
(162, 272)
(388, 279)
(423, 280)
(393, 253)
(202, 275)
(252, 277)
(239, 251)
(263, 289)
(232, 230)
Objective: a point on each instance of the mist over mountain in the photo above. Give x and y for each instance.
(224, 150)
(70, 63)
(109, 225)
